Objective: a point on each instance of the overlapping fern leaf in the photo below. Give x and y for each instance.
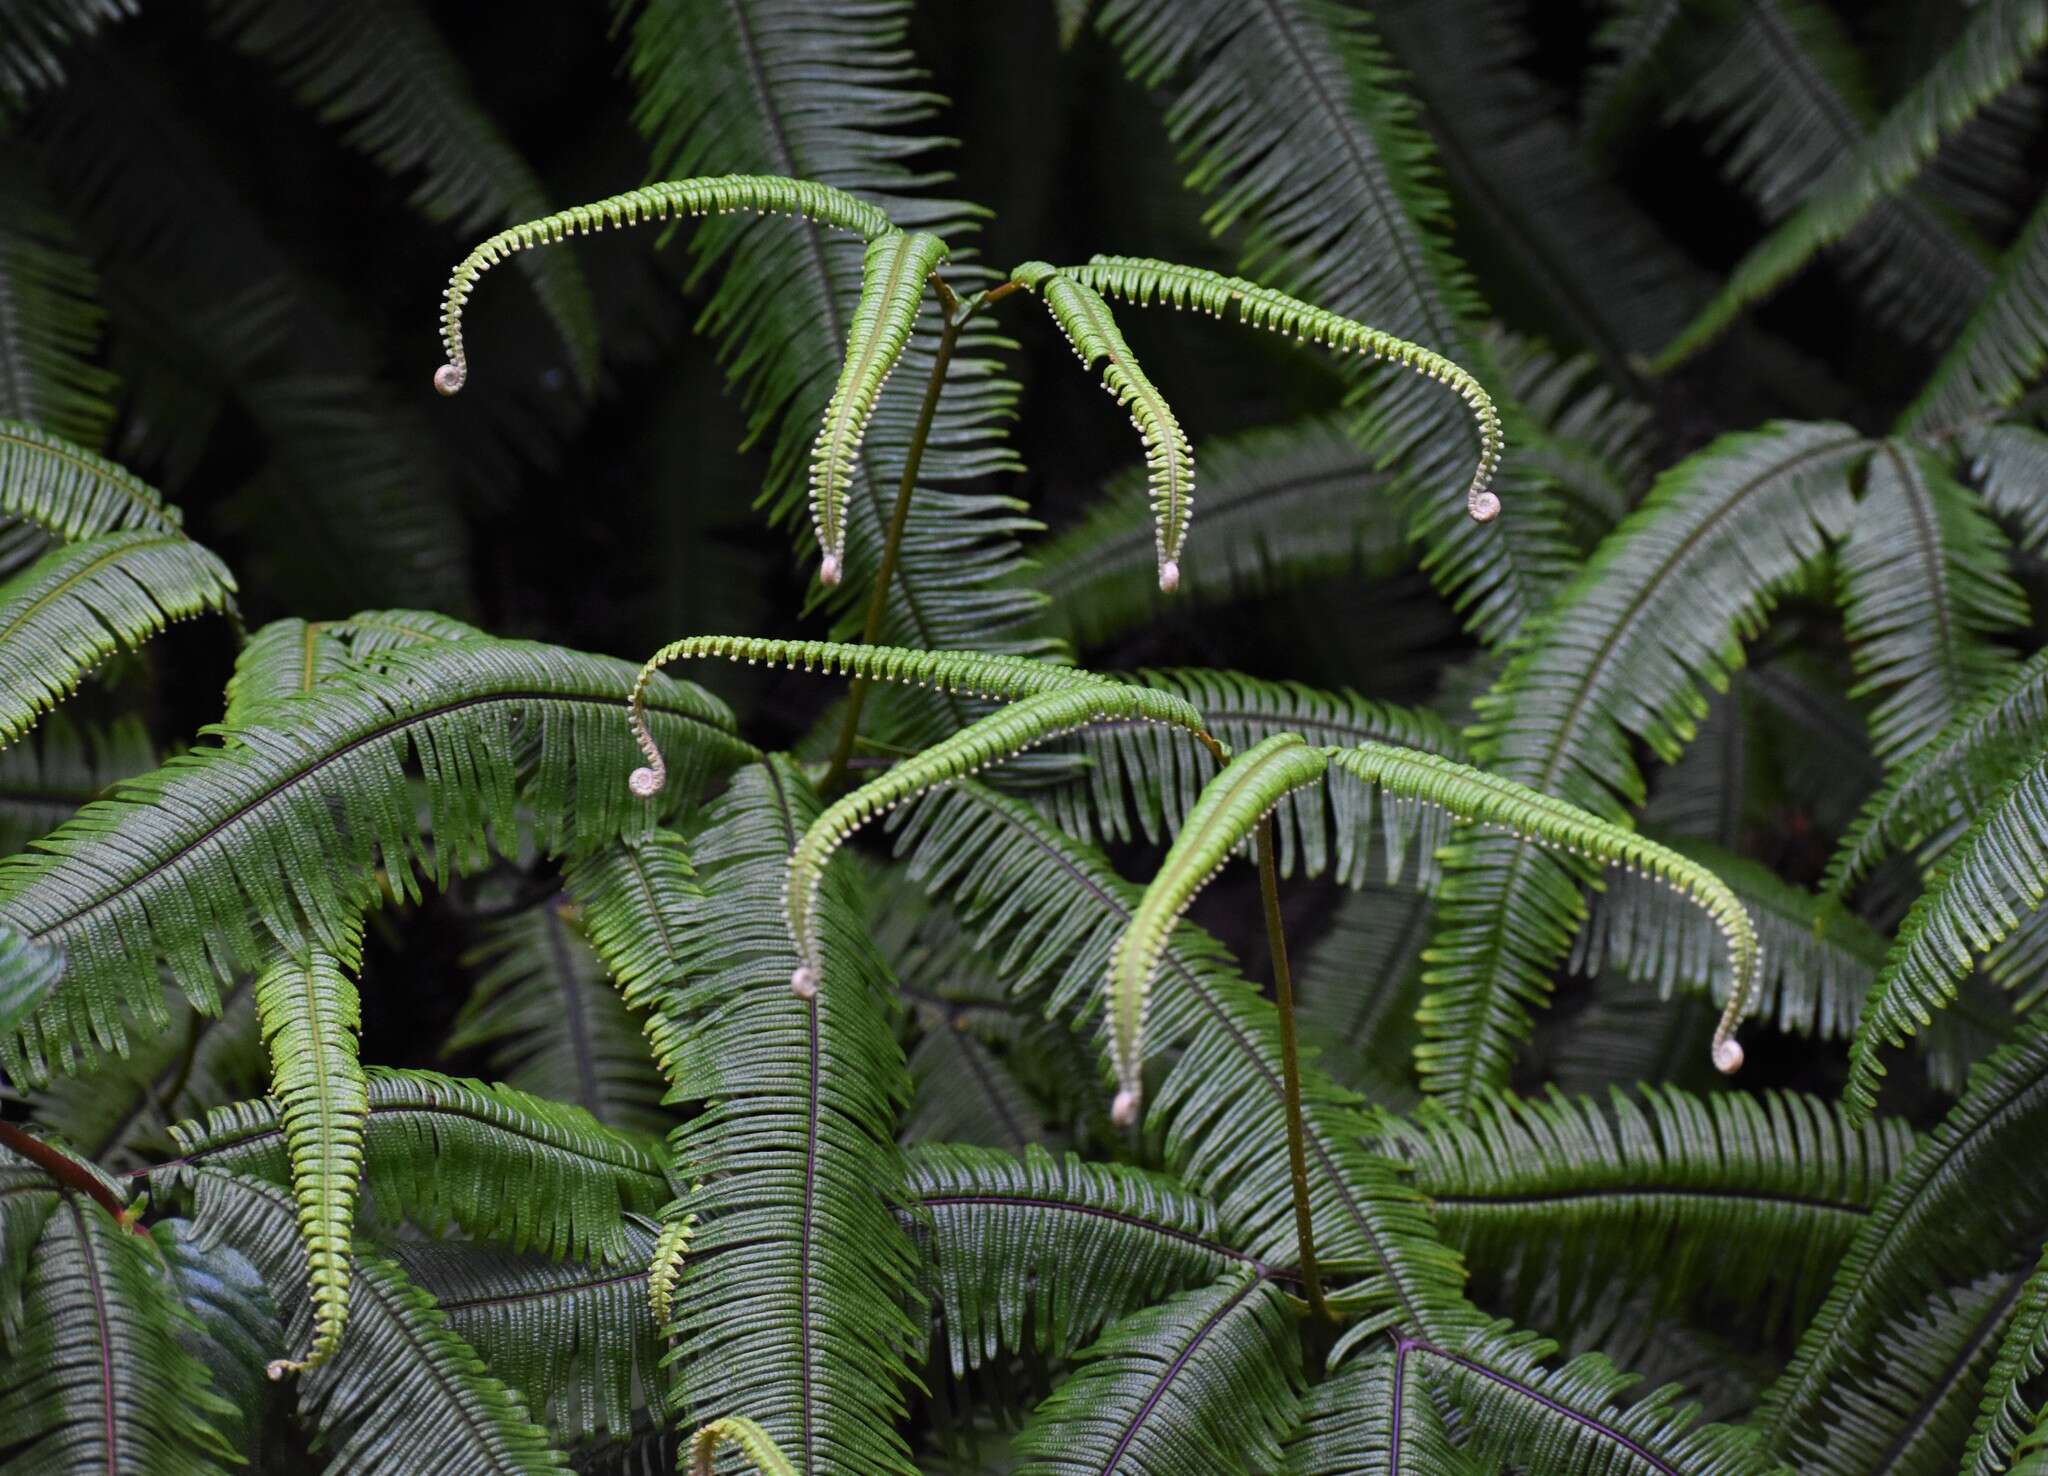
(44, 780)
(2002, 348)
(50, 315)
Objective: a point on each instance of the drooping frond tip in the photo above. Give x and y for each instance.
(716, 194)
(750, 1438)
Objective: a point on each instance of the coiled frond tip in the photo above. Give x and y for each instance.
(1728, 1056)
(645, 782)
(1484, 507)
(830, 569)
(1123, 1111)
(804, 982)
(1169, 577)
(449, 379)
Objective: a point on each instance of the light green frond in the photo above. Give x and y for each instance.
(893, 273)
(792, 1301)
(2005, 1410)
(1146, 283)
(44, 781)
(1967, 1193)
(1975, 898)
(1818, 957)
(1003, 734)
(1091, 330)
(80, 603)
(383, 70)
(310, 1017)
(1279, 505)
(291, 656)
(1750, 1200)
(499, 730)
(501, 1165)
(2003, 347)
(1229, 810)
(72, 493)
(1048, 910)
(1037, 1252)
(744, 1435)
(549, 1022)
(94, 1376)
(575, 1341)
(1206, 1378)
(1989, 56)
(665, 1265)
(50, 313)
(1926, 587)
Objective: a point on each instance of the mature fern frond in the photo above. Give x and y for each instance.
(382, 69)
(493, 725)
(50, 315)
(1987, 58)
(33, 36)
(94, 1375)
(963, 1092)
(1749, 1199)
(1206, 1377)
(310, 1015)
(2002, 348)
(2004, 1410)
(1375, 1413)
(1926, 587)
(1038, 1252)
(79, 604)
(501, 1165)
(1964, 1197)
(238, 1329)
(1621, 655)
(1050, 909)
(552, 1024)
(70, 492)
(1356, 989)
(791, 1299)
(575, 1341)
(291, 656)
(893, 273)
(636, 897)
(43, 782)
(1818, 957)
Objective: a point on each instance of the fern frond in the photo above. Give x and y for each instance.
(751, 1440)
(1621, 655)
(1231, 806)
(34, 34)
(670, 200)
(95, 1376)
(1749, 1199)
(962, 1092)
(78, 604)
(288, 657)
(1964, 1197)
(1356, 988)
(503, 1166)
(44, 781)
(1926, 587)
(2003, 346)
(893, 274)
(1986, 59)
(1375, 1413)
(1041, 1253)
(1092, 333)
(310, 1016)
(2007, 462)
(1206, 1377)
(635, 897)
(493, 726)
(792, 1298)
(2004, 1410)
(1049, 910)
(50, 314)
(72, 493)
(1974, 899)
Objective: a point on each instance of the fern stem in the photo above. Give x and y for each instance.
(885, 572)
(67, 1171)
(1290, 1070)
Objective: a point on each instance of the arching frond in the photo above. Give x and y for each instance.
(1038, 1252)
(310, 1015)
(79, 604)
(752, 1441)
(493, 725)
(94, 1376)
(50, 314)
(791, 1298)
(962, 1092)
(636, 897)
(2007, 462)
(1750, 1200)
(1622, 654)
(43, 781)
(2002, 348)
(288, 657)
(2004, 1411)
(70, 492)
(1375, 1414)
(1205, 1377)
(1926, 587)
(1995, 47)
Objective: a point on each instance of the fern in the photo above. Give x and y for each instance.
(288, 657)
(72, 493)
(754, 1442)
(50, 314)
(42, 783)
(2002, 348)
(2004, 1407)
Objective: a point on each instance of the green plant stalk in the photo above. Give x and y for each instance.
(885, 573)
(1290, 1069)
(67, 1171)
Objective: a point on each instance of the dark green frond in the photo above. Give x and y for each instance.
(492, 726)
(636, 897)
(1375, 1414)
(962, 1092)
(2002, 348)
(1356, 989)
(70, 492)
(50, 314)
(291, 656)
(2005, 1409)
(44, 780)
(2007, 462)
(1205, 1378)
(33, 38)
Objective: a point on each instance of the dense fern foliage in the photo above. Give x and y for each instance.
(1471, 902)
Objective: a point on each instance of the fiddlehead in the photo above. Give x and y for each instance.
(969, 673)
(1474, 796)
(893, 275)
(1229, 810)
(1145, 282)
(716, 194)
(752, 1440)
(999, 736)
(1169, 460)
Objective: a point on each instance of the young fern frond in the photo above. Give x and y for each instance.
(743, 1435)
(893, 273)
(1232, 805)
(1146, 282)
(665, 1263)
(976, 674)
(310, 1017)
(1001, 735)
(672, 199)
(1169, 460)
